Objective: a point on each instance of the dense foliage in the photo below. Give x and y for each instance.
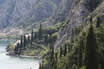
(85, 51)
(34, 43)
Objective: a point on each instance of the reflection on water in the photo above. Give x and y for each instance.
(10, 62)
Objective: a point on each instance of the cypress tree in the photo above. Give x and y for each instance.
(21, 42)
(35, 35)
(24, 41)
(19, 52)
(16, 50)
(40, 66)
(52, 59)
(40, 32)
(66, 67)
(65, 50)
(72, 34)
(91, 50)
(61, 52)
(29, 40)
(91, 19)
(56, 60)
(69, 44)
(46, 39)
(80, 52)
(32, 37)
(98, 22)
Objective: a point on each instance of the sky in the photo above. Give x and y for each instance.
(1, 1)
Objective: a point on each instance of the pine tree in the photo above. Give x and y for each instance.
(91, 50)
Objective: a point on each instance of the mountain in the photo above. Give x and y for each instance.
(79, 44)
(74, 39)
(15, 15)
(78, 15)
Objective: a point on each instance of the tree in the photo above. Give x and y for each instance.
(66, 67)
(40, 32)
(35, 35)
(74, 66)
(56, 60)
(81, 51)
(65, 50)
(72, 34)
(29, 39)
(91, 50)
(46, 39)
(61, 52)
(52, 57)
(21, 42)
(24, 41)
(98, 22)
(32, 36)
(16, 50)
(41, 66)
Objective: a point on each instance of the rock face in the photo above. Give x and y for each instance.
(63, 10)
(21, 13)
(77, 15)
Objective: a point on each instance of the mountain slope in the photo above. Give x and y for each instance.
(19, 14)
(77, 15)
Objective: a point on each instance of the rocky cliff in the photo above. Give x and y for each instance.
(78, 14)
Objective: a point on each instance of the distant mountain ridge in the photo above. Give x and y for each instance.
(20, 13)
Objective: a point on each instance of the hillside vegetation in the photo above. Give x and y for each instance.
(72, 38)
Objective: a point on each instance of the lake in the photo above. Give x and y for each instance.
(13, 62)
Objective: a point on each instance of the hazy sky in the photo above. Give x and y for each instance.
(1, 1)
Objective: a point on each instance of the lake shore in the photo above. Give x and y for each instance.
(15, 61)
(25, 56)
